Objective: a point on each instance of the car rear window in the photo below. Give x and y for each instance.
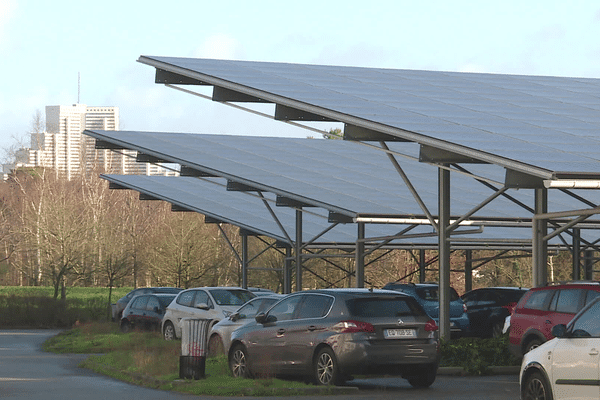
(538, 299)
(231, 297)
(166, 300)
(384, 307)
(433, 294)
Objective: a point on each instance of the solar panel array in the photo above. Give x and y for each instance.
(537, 124)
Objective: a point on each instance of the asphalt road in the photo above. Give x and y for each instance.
(26, 372)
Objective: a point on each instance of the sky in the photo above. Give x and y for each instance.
(63, 52)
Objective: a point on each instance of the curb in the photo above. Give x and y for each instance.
(459, 371)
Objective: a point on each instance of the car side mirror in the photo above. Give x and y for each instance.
(202, 306)
(235, 316)
(261, 318)
(559, 331)
(158, 310)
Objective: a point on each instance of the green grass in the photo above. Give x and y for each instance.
(144, 358)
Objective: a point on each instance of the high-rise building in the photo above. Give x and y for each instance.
(64, 148)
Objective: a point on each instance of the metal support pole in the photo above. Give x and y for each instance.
(422, 265)
(468, 270)
(444, 251)
(298, 250)
(589, 265)
(245, 261)
(287, 273)
(360, 256)
(576, 254)
(539, 256)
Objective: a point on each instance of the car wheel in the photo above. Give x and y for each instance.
(535, 387)
(169, 331)
(125, 326)
(425, 378)
(215, 346)
(497, 328)
(532, 344)
(326, 369)
(238, 362)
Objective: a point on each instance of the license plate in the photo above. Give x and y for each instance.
(399, 333)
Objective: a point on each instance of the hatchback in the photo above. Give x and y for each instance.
(488, 308)
(566, 367)
(331, 334)
(145, 311)
(119, 306)
(219, 337)
(427, 294)
(543, 307)
(213, 303)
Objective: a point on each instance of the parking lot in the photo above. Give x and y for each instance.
(27, 372)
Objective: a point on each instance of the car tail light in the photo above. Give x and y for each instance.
(353, 326)
(510, 307)
(431, 326)
(464, 307)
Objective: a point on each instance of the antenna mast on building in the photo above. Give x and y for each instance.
(78, 86)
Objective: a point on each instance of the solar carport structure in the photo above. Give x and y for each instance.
(499, 132)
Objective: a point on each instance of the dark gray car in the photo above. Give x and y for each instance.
(332, 334)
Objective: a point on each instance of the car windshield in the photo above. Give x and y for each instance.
(384, 307)
(231, 297)
(433, 294)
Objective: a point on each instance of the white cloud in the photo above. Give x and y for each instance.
(218, 46)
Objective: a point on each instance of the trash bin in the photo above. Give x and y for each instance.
(194, 334)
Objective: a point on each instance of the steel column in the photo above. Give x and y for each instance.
(360, 256)
(576, 254)
(444, 251)
(287, 271)
(245, 261)
(422, 266)
(539, 256)
(298, 245)
(468, 270)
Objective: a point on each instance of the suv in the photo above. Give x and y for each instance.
(488, 308)
(214, 303)
(332, 334)
(565, 367)
(427, 294)
(543, 307)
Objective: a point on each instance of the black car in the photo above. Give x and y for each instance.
(488, 308)
(330, 335)
(145, 311)
(119, 306)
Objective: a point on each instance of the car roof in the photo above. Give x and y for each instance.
(570, 284)
(352, 291)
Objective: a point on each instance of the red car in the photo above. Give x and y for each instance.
(543, 307)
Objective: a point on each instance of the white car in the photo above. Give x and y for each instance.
(214, 303)
(568, 366)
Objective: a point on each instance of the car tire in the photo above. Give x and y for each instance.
(536, 387)
(425, 378)
(326, 368)
(169, 331)
(238, 362)
(125, 326)
(532, 344)
(215, 346)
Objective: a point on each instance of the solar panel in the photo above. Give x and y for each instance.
(538, 123)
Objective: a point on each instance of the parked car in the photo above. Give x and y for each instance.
(119, 306)
(214, 303)
(219, 337)
(488, 308)
(427, 294)
(145, 311)
(565, 367)
(261, 291)
(543, 307)
(332, 334)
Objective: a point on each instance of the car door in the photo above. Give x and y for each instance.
(136, 311)
(267, 343)
(153, 313)
(302, 333)
(475, 310)
(576, 359)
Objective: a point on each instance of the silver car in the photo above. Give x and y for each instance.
(332, 334)
(214, 303)
(220, 334)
